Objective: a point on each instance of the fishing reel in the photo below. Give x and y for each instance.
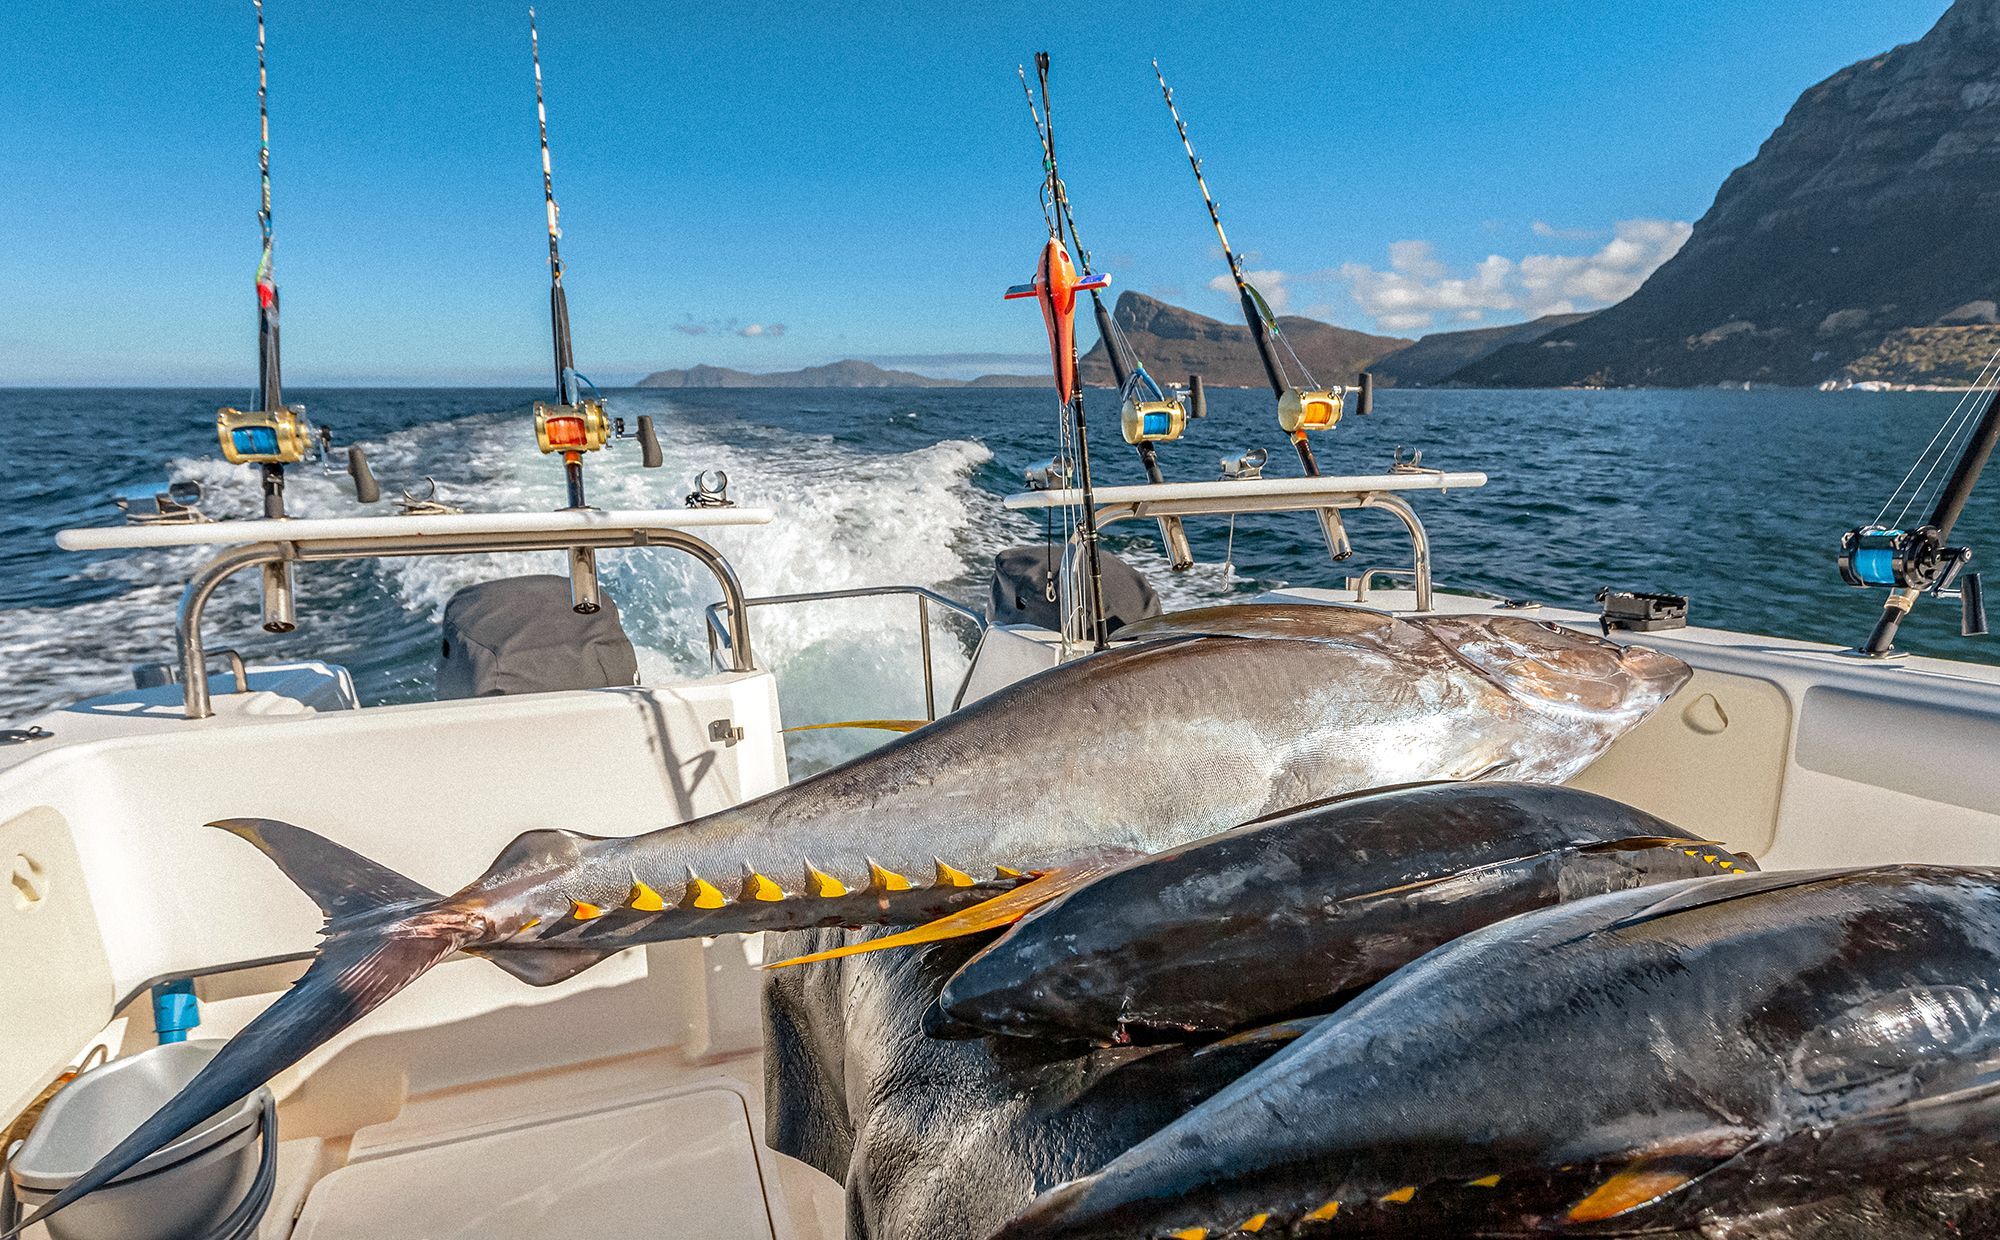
(1303, 410)
(264, 436)
(1918, 561)
(578, 427)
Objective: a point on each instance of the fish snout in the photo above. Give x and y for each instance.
(1062, 1213)
(1658, 675)
(999, 992)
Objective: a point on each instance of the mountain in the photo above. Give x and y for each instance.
(1175, 343)
(1863, 215)
(847, 374)
(1433, 359)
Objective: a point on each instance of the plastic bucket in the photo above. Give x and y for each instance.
(182, 1190)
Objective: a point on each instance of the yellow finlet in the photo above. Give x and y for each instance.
(583, 911)
(644, 898)
(1002, 910)
(1322, 1214)
(701, 893)
(822, 884)
(1008, 871)
(885, 880)
(1255, 1222)
(1401, 1196)
(1189, 1233)
(757, 887)
(1484, 1181)
(1637, 1185)
(528, 925)
(950, 877)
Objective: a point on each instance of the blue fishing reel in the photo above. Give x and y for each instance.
(1916, 560)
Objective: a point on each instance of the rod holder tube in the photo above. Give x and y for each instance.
(584, 596)
(176, 1010)
(280, 608)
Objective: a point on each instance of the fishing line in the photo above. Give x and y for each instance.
(1961, 432)
(1949, 432)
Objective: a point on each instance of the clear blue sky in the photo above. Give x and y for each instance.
(863, 175)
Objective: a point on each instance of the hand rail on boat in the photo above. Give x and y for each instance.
(1232, 498)
(202, 586)
(720, 634)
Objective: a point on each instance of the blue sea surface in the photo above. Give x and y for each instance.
(1734, 498)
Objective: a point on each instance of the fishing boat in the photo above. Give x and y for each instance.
(631, 1096)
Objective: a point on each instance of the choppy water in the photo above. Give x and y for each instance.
(1735, 498)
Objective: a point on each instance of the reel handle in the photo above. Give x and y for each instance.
(1364, 387)
(1197, 398)
(365, 488)
(1971, 606)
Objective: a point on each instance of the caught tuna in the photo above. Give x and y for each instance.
(1674, 1058)
(1284, 916)
(1219, 717)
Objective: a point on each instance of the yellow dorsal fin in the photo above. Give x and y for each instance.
(950, 877)
(584, 911)
(822, 884)
(883, 725)
(1322, 1214)
(885, 880)
(1635, 1186)
(757, 887)
(1002, 910)
(644, 898)
(701, 893)
(1008, 871)
(528, 925)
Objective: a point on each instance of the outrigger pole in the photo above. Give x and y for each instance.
(1170, 414)
(1300, 409)
(1055, 286)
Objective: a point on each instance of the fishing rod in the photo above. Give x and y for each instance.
(1055, 286)
(573, 425)
(1916, 561)
(1147, 415)
(1302, 407)
(272, 434)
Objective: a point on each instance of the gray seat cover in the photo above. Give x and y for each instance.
(519, 635)
(1021, 578)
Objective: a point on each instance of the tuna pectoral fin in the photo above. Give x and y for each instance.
(884, 725)
(1001, 910)
(351, 976)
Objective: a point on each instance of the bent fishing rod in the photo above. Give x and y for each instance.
(1055, 286)
(1302, 407)
(1147, 415)
(573, 425)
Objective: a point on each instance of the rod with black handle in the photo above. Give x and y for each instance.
(1950, 505)
(1260, 328)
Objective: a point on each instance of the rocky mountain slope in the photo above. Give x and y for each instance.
(1866, 213)
(1175, 343)
(1433, 359)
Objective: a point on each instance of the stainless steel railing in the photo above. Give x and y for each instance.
(724, 621)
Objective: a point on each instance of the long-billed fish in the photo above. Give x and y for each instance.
(1654, 1060)
(1283, 916)
(1223, 715)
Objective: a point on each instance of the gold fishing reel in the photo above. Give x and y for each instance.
(263, 436)
(1319, 409)
(1152, 421)
(581, 427)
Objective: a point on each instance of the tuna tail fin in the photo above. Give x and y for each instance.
(383, 931)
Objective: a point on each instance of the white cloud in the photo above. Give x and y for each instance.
(1418, 287)
(1270, 283)
(761, 329)
(1545, 229)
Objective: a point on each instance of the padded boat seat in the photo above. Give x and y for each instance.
(520, 635)
(1023, 578)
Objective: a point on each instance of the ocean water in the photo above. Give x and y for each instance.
(1734, 498)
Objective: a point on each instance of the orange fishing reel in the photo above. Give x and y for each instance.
(581, 427)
